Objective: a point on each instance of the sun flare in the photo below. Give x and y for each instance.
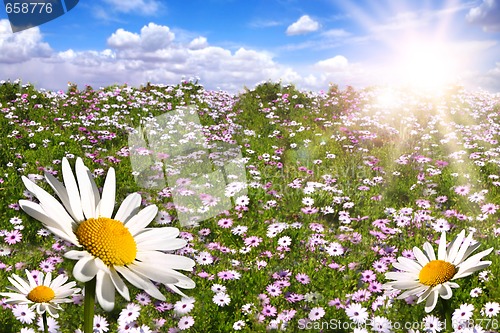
(426, 65)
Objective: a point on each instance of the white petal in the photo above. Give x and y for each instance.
(40, 308)
(471, 249)
(474, 260)
(159, 239)
(76, 255)
(68, 193)
(130, 276)
(105, 291)
(72, 190)
(61, 192)
(463, 272)
(85, 269)
(411, 266)
(49, 204)
(31, 279)
(414, 291)
(405, 284)
(88, 189)
(462, 250)
(167, 260)
(48, 278)
(107, 204)
(140, 282)
(165, 232)
(19, 284)
(137, 223)
(129, 207)
(52, 310)
(406, 269)
(176, 290)
(48, 207)
(420, 256)
(15, 298)
(152, 272)
(425, 294)
(57, 282)
(442, 247)
(119, 284)
(431, 301)
(445, 291)
(455, 246)
(401, 276)
(34, 210)
(429, 251)
(184, 281)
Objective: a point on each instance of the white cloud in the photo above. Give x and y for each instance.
(335, 33)
(487, 15)
(145, 7)
(156, 37)
(259, 23)
(489, 80)
(303, 25)
(152, 55)
(122, 39)
(21, 46)
(136, 57)
(198, 43)
(336, 64)
(153, 37)
(403, 21)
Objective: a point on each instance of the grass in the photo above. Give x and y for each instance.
(352, 159)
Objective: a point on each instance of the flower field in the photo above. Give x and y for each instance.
(373, 210)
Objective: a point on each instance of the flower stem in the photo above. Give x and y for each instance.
(447, 315)
(88, 310)
(45, 325)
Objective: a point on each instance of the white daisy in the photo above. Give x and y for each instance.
(357, 313)
(40, 293)
(464, 313)
(490, 309)
(23, 313)
(428, 277)
(111, 247)
(432, 324)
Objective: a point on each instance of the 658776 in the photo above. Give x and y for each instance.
(28, 8)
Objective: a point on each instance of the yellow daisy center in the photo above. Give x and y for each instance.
(108, 240)
(41, 294)
(436, 272)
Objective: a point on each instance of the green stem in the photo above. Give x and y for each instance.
(447, 315)
(88, 310)
(45, 325)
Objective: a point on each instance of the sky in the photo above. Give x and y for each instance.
(233, 44)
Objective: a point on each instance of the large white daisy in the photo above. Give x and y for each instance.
(428, 277)
(41, 293)
(111, 247)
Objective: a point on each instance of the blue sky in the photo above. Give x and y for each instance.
(230, 44)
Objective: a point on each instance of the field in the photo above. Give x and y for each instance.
(340, 183)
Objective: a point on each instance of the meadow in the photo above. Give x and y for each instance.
(340, 184)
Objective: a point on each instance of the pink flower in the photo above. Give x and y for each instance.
(252, 241)
(13, 237)
(185, 322)
(269, 311)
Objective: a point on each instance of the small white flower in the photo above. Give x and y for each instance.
(41, 293)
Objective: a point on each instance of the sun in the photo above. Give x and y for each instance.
(425, 64)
